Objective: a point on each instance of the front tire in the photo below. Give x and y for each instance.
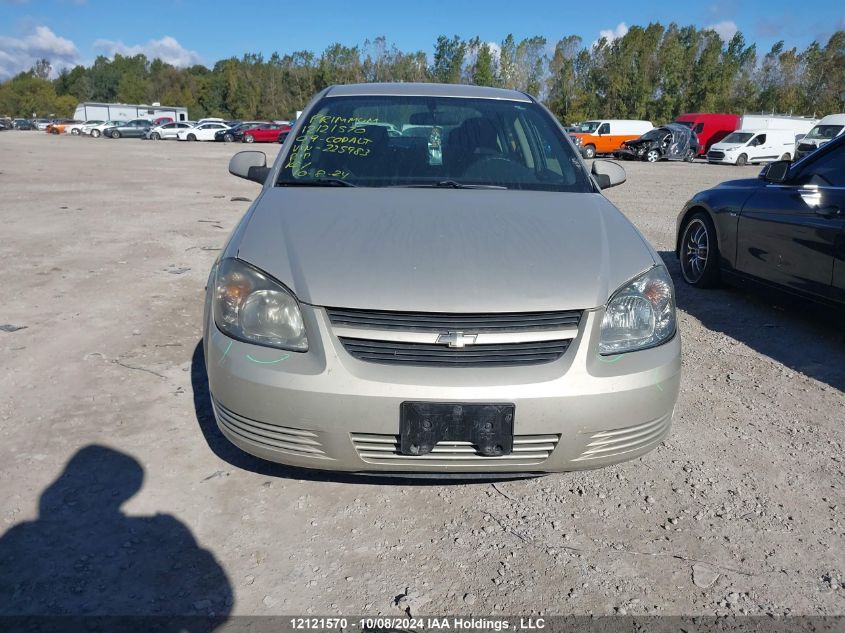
(652, 155)
(75, 131)
(786, 156)
(699, 252)
(742, 160)
(192, 137)
(95, 133)
(155, 136)
(115, 134)
(248, 138)
(589, 151)
(689, 156)
(228, 138)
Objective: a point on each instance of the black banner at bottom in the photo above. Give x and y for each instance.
(420, 624)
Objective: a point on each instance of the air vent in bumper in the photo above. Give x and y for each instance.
(611, 444)
(280, 438)
(528, 450)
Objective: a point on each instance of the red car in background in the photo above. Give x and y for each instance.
(709, 127)
(264, 133)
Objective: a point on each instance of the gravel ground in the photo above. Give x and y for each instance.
(120, 496)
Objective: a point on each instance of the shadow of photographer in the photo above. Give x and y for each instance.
(83, 556)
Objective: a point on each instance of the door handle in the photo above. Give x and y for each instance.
(828, 212)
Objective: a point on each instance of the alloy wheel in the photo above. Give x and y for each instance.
(695, 251)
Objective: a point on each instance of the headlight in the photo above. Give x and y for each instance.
(640, 314)
(577, 140)
(252, 307)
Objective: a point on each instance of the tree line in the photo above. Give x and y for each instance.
(654, 72)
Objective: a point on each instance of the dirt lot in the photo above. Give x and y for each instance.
(104, 255)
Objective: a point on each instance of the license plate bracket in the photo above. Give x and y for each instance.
(489, 427)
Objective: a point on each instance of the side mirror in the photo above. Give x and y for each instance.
(777, 171)
(607, 173)
(250, 165)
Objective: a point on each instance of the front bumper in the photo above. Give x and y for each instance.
(325, 409)
(718, 156)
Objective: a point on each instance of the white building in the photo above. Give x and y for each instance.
(90, 111)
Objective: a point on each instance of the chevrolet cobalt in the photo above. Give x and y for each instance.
(430, 281)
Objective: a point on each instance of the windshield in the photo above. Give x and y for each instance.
(587, 127)
(826, 132)
(383, 141)
(738, 137)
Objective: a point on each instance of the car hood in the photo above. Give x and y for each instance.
(741, 183)
(443, 250)
(636, 142)
(726, 147)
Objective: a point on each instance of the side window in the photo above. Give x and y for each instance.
(604, 128)
(758, 140)
(827, 171)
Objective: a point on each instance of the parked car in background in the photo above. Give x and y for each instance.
(22, 124)
(77, 128)
(97, 130)
(41, 124)
(201, 132)
(827, 129)
(346, 329)
(167, 130)
(605, 136)
(129, 129)
(266, 133)
(228, 135)
(753, 146)
(673, 141)
(782, 229)
(60, 126)
(709, 127)
(162, 120)
(212, 120)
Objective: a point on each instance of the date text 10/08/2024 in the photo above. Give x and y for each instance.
(412, 623)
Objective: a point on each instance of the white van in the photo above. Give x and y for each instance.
(828, 129)
(605, 136)
(753, 146)
(796, 124)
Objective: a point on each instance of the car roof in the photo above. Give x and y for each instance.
(425, 90)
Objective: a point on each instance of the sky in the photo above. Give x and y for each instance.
(184, 32)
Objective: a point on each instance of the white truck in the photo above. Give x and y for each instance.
(827, 129)
(753, 146)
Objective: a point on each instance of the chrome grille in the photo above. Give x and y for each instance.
(606, 444)
(443, 322)
(394, 352)
(280, 438)
(528, 450)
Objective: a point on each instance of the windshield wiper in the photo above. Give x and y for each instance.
(316, 182)
(454, 184)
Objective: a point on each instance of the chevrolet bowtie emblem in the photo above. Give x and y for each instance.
(456, 339)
